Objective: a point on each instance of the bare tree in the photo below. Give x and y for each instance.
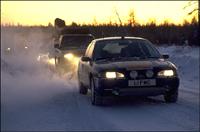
(131, 20)
(95, 23)
(116, 12)
(192, 3)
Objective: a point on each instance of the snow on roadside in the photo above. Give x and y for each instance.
(186, 58)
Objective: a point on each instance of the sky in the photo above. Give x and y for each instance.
(43, 12)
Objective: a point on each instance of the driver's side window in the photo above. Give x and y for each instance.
(90, 52)
(87, 50)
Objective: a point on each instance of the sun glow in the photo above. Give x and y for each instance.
(43, 12)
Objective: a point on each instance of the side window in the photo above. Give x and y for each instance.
(90, 52)
(87, 50)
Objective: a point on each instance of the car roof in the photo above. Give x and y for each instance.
(76, 35)
(119, 38)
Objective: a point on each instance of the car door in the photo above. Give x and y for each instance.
(81, 67)
(88, 65)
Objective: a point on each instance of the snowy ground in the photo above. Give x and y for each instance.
(33, 98)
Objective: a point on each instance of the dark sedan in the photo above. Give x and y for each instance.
(126, 66)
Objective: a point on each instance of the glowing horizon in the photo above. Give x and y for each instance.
(44, 12)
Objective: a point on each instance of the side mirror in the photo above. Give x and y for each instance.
(56, 45)
(84, 58)
(165, 56)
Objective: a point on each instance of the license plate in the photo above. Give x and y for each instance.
(144, 82)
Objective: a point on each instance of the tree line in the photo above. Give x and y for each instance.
(165, 33)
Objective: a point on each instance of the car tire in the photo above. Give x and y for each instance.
(95, 98)
(171, 96)
(82, 90)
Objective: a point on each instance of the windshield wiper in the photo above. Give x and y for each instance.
(153, 57)
(104, 58)
(119, 58)
(134, 58)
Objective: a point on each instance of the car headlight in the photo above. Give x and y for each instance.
(38, 58)
(51, 61)
(166, 73)
(8, 49)
(114, 75)
(69, 56)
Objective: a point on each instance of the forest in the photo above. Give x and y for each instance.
(165, 33)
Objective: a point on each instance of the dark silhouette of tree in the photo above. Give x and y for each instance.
(74, 24)
(50, 24)
(151, 22)
(194, 21)
(131, 19)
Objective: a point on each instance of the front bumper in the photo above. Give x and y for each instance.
(120, 87)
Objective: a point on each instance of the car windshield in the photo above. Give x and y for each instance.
(127, 48)
(75, 41)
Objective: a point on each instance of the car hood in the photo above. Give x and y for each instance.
(73, 51)
(133, 65)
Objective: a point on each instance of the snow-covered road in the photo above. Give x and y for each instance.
(67, 110)
(41, 101)
(70, 111)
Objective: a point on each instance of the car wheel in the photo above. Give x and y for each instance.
(82, 89)
(171, 96)
(95, 99)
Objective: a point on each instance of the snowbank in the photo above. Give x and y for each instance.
(186, 58)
